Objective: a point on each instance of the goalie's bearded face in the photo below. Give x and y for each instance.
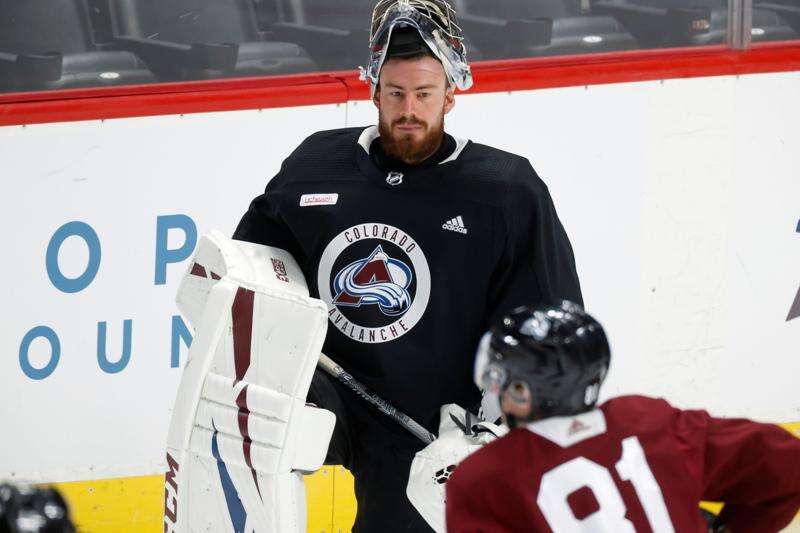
(412, 99)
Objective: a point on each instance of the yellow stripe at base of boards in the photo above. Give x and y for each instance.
(136, 504)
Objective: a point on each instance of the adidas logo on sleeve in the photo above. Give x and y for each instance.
(455, 224)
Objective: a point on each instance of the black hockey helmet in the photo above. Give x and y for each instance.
(560, 353)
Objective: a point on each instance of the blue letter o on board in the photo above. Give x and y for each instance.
(55, 347)
(89, 236)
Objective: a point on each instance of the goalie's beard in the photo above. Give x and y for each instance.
(403, 146)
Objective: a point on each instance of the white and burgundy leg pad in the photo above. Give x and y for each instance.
(241, 435)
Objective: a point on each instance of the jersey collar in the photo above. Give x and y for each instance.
(371, 133)
(568, 430)
(368, 167)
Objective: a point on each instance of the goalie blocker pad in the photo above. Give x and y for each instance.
(241, 434)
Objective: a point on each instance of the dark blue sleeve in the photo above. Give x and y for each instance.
(537, 265)
(263, 222)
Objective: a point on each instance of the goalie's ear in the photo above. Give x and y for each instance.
(217, 256)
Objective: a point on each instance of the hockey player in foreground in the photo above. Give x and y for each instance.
(415, 240)
(631, 464)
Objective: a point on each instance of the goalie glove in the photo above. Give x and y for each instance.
(460, 434)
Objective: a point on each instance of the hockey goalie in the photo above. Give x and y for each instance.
(241, 435)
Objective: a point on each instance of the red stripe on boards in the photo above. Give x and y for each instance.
(340, 87)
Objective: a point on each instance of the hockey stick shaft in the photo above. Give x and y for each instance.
(330, 366)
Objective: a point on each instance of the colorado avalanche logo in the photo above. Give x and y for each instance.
(376, 282)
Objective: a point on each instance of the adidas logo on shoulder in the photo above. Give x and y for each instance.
(455, 224)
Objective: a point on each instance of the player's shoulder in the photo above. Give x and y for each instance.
(640, 412)
(328, 142)
(497, 174)
(338, 134)
(491, 461)
(636, 402)
(484, 162)
(636, 405)
(322, 156)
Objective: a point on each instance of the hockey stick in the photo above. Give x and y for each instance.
(329, 366)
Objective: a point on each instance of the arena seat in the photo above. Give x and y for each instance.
(522, 28)
(48, 44)
(673, 23)
(336, 34)
(196, 39)
(787, 10)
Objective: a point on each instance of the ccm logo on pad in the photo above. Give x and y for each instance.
(308, 200)
(171, 495)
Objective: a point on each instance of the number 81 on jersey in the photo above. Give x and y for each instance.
(558, 483)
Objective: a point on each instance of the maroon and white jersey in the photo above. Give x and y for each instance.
(633, 464)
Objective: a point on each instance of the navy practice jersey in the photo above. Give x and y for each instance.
(414, 262)
(633, 464)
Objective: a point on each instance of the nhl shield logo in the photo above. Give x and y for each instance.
(376, 282)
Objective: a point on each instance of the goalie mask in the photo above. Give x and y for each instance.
(556, 357)
(432, 21)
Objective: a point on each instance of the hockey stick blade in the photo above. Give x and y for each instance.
(330, 366)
